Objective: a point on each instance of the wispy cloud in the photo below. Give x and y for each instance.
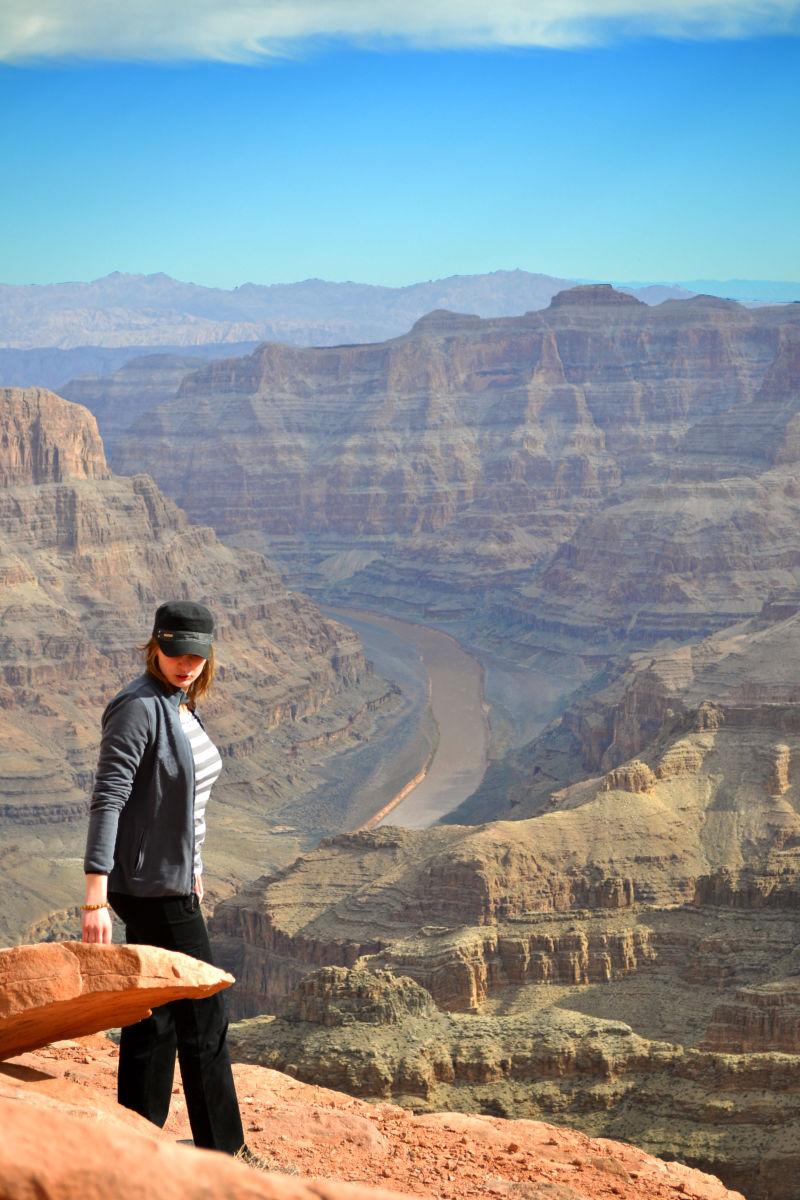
(253, 30)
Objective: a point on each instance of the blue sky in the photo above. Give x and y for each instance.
(632, 156)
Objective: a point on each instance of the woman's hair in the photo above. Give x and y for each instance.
(201, 685)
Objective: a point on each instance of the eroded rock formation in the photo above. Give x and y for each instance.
(719, 714)
(736, 1117)
(543, 475)
(703, 823)
(758, 1019)
(57, 990)
(661, 891)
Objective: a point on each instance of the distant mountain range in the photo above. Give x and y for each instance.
(53, 332)
(748, 291)
(155, 310)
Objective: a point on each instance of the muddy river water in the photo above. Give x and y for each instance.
(456, 705)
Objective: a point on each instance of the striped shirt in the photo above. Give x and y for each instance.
(207, 766)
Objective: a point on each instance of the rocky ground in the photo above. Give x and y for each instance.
(318, 1135)
(64, 1133)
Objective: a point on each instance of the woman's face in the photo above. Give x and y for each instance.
(182, 671)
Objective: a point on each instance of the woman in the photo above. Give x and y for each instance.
(146, 828)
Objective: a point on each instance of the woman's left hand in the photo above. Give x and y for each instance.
(198, 887)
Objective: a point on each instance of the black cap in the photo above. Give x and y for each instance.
(182, 627)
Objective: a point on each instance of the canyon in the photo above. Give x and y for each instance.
(599, 500)
(382, 1038)
(85, 558)
(501, 475)
(619, 949)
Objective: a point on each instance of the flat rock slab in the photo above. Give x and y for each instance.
(58, 990)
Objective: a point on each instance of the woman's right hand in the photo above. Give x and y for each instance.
(96, 926)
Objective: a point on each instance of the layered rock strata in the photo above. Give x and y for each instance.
(546, 472)
(85, 558)
(758, 1019)
(389, 898)
(381, 1037)
(705, 814)
(728, 703)
(661, 891)
(120, 398)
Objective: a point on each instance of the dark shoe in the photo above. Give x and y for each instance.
(261, 1163)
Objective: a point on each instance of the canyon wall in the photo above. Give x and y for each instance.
(736, 691)
(547, 478)
(676, 785)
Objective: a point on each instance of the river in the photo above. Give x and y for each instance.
(456, 706)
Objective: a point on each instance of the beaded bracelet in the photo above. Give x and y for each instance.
(94, 907)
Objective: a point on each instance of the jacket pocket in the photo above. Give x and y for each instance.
(138, 862)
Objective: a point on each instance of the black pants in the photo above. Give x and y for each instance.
(195, 1029)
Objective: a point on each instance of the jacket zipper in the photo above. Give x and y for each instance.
(194, 791)
(194, 827)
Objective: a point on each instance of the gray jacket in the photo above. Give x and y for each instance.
(141, 819)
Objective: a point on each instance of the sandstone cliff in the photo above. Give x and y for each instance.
(85, 558)
(549, 456)
(706, 813)
(735, 694)
(121, 397)
(758, 1019)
